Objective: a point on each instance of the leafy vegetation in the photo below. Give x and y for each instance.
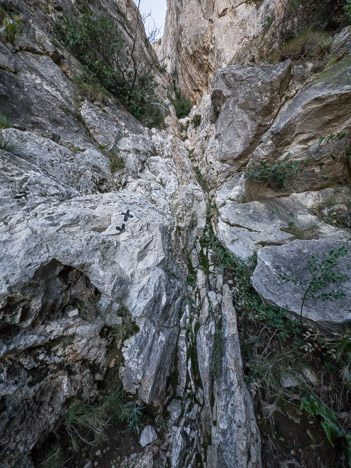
(323, 272)
(182, 106)
(268, 23)
(276, 174)
(4, 121)
(184, 128)
(324, 15)
(234, 266)
(331, 137)
(191, 278)
(96, 412)
(287, 363)
(106, 60)
(308, 44)
(117, 163)
(314, 24)
(12, 28)
(200, 178)
(134, 416)
(196, 120)
(127, 328)
(217, 351)
(87, 422)
(314, 407)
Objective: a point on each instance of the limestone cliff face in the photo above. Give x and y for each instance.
(202, 36)
(93, 290)
(114, 238)
(280, 116)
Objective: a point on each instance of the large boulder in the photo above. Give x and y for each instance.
(202, 36)
(244, 228)
(318, 110)
(134, 269)
(277, 263)
(246, 100)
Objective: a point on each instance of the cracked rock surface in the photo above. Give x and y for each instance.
(86, 251)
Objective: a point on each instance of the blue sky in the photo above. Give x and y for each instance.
(158, 11)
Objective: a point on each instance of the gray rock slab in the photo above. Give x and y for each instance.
(292, 259)
(40, 96)
(24, 186)
(320, 108)
(178, 448)
(246, 100)
(87, 170)
(342, 42)
(104, 127)
(237, 438)
(244, 228)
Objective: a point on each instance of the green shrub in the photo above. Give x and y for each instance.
(309, 44)
(184, 128)
(127, 328)
(117, 163)
(201, 179)
(182, 106)
(332, 137)
(4, 121)
(276, 174)
(133, 415)
(218, 351)
(268, 23)
(196, 120)
(98, 45)
(274, 346)
(161, 68)
(329, 422)
(106, 59)
(12, 28)
(87, 422)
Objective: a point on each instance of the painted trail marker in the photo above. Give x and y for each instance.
(127, 215)
(121, 229)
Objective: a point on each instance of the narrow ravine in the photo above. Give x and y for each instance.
(175, 235)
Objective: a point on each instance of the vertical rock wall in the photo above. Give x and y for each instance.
(202, 36)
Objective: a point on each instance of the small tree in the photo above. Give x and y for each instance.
(323, 271)
(96, 41)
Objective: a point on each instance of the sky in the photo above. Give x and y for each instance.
(158, 12)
